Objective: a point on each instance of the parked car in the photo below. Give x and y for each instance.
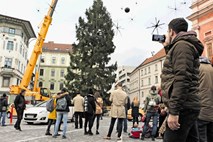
(11, 106)
(39, 114)
(129, 114)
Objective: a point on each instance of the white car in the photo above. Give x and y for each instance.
(39, 114)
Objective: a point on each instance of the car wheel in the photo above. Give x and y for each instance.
(8, 114)
(30, 123)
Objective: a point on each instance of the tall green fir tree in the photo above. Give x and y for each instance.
(89, 61)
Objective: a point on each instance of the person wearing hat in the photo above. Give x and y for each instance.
(180, 82)
(3, 109)
(151, 111)
(19, 103)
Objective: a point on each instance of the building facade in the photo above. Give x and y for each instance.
(14, 37)
(145, 75)
(202, 23)
(53, 65)
(122, 75)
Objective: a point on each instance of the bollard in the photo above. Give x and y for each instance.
(11, 115)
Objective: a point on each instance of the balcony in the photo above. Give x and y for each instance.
(8, 71)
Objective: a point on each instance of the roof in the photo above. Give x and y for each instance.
(26, 25)
(57, 47)
(157, 56)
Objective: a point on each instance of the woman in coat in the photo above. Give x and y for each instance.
(135, 110)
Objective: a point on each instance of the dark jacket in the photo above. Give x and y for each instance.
(206, 91)
(91, 106)
(68, 103)
(19, 102)
(3, 104)
(135, 110)
(180, 73)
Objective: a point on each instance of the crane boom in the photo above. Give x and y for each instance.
(16, 89)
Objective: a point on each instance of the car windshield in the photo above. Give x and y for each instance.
(41, 104)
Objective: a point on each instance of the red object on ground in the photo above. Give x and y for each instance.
(11, 114)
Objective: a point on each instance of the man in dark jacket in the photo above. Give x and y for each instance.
(89, 110)
(180, 76)
(205, 118)
(63, 101)
(19, 103)
(3, 109)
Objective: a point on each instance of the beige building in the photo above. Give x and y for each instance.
(53, 65)
(145, 75)
(122, 75)
(14, 37)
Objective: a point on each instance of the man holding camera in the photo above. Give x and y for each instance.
(180, 76)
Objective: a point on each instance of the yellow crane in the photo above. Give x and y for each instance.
(40, 94)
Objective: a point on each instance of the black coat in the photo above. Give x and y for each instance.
(19, 102)
(135, 110)
(91, 106)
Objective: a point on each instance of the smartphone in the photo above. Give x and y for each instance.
(160, 38)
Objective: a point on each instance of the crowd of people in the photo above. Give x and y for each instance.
(181, 109)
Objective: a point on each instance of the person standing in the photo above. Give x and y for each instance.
(205, 118)
(3, 109)
(179, 82)
(78, 102)
(89, 111)
(62, 108)
(20, 106)
(98, 112)
(135, 110)
(119, 99)
(51, 117)
(151, 111)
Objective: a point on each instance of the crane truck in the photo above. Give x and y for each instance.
(39, 94)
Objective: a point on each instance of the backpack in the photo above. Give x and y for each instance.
(61, 104)
(86, 103)
(50, 105)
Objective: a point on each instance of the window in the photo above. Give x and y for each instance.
(62, 73)
(62, 60)
(19, 65)
(156, 79)
(141, 82)
(6, 82)
(148, 69)
(20, 49)
(11, 31)
(141, 72)
(8, 62)
(209, 50)
(52, 72)
(156, 67)
(52, 86)
(10, 45)
(41, 72)
(61, 85)
(145, 71)
(53, 60)
(142, 94)
(40, 84)
(149, 81)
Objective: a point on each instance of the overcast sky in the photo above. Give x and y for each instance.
(133, 40)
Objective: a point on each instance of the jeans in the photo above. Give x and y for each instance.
(19, 118)
(88, 119)
(78, 119)
(3, 116)
(58, 121)
(149, 115)
(112, 123)
(187, 132)
(205, 129)
(97, 116)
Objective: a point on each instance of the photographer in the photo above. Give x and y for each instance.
(179, 82)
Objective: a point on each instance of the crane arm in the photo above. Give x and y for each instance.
(16, 89)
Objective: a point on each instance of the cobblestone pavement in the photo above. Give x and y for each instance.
(35, 133)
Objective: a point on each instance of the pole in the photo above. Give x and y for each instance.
(11, 115)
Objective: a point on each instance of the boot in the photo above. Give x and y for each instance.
(48, 133)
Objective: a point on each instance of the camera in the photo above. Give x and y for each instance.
(160, 38)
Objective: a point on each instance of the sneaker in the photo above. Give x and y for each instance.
(97, 133)
(153, 138)
(48, 133)
(90, 133)
(86, 133)
(142, 137)
(64, 137)
(58, 134)
(54, 136)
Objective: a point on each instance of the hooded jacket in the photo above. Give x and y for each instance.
(206, 90)
(180, 74)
